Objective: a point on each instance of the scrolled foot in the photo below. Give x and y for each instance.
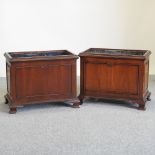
(6, 100)
(76, 105)
(81, 99)
(141, 107)
(148, 97)
(13, 110)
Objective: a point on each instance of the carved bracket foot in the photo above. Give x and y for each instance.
(148, 97)
(81, 98)
(141, 107)
(76, 105)
(6, 100)
(13, 110)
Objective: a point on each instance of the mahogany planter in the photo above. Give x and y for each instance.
(39, 77)
(115, 74)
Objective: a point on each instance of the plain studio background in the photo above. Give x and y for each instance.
(95, 128)
(76, 25)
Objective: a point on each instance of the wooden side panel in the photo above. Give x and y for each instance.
(125, 79)
(97, 77)
(8, 72)
(42, 81)
(91, 80)
(73, 80)
(146, 77)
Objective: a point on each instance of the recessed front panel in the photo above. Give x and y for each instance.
(97, 77)
(111, 78)
(125, 79)
(43, 81)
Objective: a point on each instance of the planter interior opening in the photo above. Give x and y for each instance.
(116, 52)
(39, 54)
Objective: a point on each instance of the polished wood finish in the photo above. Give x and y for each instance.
(40, 77)
(115, 74)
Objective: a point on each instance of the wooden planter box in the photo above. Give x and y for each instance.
(39, 77)
(115, 74)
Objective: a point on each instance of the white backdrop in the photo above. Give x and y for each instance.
(76, 25)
